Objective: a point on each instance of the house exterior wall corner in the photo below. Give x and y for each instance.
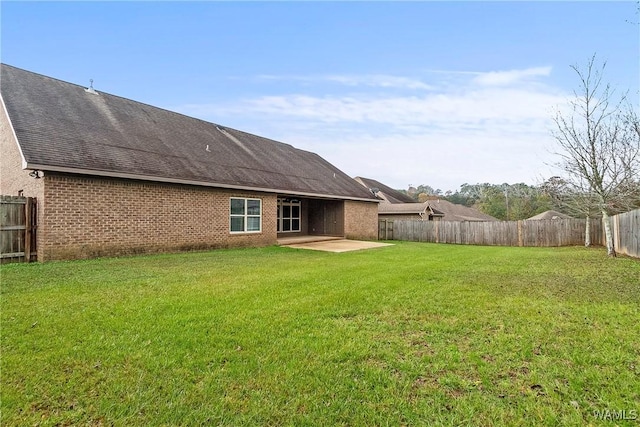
(361, 220)
(14, 180)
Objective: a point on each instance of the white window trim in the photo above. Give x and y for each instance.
(245, 216)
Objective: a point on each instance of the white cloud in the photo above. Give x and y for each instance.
(503, 78)
(484, 107)
(383, 81)
(367, 80)
(491, 127)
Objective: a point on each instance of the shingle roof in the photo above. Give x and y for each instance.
(397, 203)
(456, 212)
(63, 127)
(549, 215)
(387, 193)
(447, 210)
(401, 208)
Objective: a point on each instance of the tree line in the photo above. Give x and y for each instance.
(513, 202)
(507, 202)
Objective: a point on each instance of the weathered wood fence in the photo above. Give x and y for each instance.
(18, 227)
(563, 232)
(626, 233)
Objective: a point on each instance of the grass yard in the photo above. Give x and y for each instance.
(411, 334)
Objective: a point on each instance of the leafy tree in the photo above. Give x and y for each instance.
(422, 192)
(468, 195)
(503, 201)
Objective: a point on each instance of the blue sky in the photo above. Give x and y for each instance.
(436, 93)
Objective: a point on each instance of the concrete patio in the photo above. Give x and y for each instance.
(329, 244)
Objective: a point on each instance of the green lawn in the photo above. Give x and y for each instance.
(411, 334)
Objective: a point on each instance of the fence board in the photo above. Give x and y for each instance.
(17, 228)
(626, 232)
(565, 232)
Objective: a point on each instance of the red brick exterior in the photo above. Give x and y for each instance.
(361, 220)
(14, 180)
(87, 217)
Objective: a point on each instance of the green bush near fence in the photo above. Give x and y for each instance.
(411, 334)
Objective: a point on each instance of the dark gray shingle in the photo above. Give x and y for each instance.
(391, 195)
(60, 125)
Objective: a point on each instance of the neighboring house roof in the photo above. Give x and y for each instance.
(64, 127)
(402, 208)
(408, 209)
(549, 215)
(455, 212)
(396, 203)
(384, 192)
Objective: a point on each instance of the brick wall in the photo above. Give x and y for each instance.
(87, 217)
(13, 179)
(361, 220)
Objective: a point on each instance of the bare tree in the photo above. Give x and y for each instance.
(599, 140)
(572, 199)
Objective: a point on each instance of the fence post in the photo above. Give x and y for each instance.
(520, 236)
(27, 229)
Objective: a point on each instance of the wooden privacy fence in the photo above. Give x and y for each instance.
(626, 233)
(17, 229)
(559, 232)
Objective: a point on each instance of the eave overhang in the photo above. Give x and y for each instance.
(122, 175)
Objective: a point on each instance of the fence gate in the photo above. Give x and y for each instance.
(18, 224)
(385, 229)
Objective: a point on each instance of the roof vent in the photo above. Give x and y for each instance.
(90, 89)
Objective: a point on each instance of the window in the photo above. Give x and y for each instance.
(288, 215)
(246, 215)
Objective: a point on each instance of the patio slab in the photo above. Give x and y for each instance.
(339, 245)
